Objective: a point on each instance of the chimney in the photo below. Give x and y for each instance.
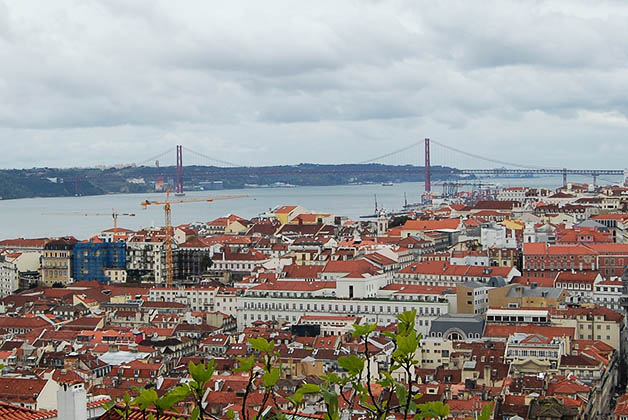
(218, 385)
(72, 401)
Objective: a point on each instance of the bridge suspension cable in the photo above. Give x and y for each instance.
(453, 149)
(484, 158)
(389, 154)
(213, 159)
(154, 158)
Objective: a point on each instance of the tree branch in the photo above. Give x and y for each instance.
(368, 373)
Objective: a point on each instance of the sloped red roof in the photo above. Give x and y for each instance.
(445, 224)
(285, 209)
(505, 331)
(587, 277)
(23, 243)
(350, 266)
(15, 412)
(294, 271)
(573, 312)
(567, 386)
(446, 269)
(20, 389)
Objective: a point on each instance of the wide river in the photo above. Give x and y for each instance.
(46, 217)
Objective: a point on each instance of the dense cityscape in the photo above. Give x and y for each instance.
(328, 210)
(519, 296)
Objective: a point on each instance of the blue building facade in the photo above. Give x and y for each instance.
(91, 259)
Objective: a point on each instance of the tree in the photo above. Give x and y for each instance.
(354, 386)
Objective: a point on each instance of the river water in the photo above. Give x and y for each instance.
(32, 217)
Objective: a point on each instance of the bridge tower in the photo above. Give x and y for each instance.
(428, 181)
(565, 177)
(179, 176)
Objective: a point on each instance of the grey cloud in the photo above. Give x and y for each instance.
(258, 82)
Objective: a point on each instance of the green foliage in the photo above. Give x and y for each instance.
(271, 377)
(246, 364)
(353, 364)
(358, 379)
(433, 409)
(486, 413)
(262, 345)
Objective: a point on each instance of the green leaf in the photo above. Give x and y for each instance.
(262, 345)
(332, 378)
(146, 398)
(407, 317)
(331, 400)
(310, 388)
(352, 364)
(231, 414)
(362, 330)
(246, 364)
(172, 397)
(432, 409)
(270, 378)
(406, 345)
(389, 334)
(298, 397)
(487, 412)
(195, 414)
(402, 393)
(202, 373)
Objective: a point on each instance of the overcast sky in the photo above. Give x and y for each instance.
(88, 82)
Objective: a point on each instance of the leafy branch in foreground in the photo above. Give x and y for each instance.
(397, 386)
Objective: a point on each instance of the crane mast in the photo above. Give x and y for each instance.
(168, 224)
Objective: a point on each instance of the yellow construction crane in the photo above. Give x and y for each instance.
(169, 231)
(114, 214)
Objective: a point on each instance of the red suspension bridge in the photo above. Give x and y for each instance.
(416, 161)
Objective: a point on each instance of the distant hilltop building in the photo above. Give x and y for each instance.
(117, 166)
(136, 181)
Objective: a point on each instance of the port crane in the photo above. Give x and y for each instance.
(114, 214)
(169, 231)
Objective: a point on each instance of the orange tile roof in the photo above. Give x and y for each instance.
(285, 209)
(446, 269)
(607, 313)
(542, 248)
(577, 277)
(505, 331)
(609, 249)
(14, 412)
(302, 271)
(610, 216)
(445, 224)
(350, 266)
